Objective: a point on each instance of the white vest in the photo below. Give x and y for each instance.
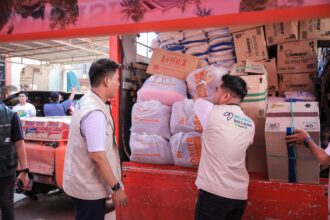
(81, 179)
(225, 140)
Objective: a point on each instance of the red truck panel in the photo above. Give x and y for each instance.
(168, 192)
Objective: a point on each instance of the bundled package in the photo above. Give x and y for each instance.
(186, 149)
(151, 149)
(164, 89)
(211, 75)
(183, 117)
(151, 117)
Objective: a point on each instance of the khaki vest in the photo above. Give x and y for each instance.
(81, 179)
(225, 140)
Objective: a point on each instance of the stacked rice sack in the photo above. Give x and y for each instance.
(185, 125)
(213, 46)
(150, 131)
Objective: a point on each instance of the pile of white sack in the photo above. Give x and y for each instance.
(165, 129)
(213, 46)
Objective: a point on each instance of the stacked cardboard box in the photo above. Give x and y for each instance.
(254, 105)
(46, 128)
(300, 115)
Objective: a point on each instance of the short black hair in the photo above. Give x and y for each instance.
(23, 92)
(234, 84)
(101, 68)
(54, 96)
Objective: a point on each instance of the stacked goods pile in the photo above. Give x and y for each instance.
(150, 129)
(290, 71)
(213, 46)
(46, 128)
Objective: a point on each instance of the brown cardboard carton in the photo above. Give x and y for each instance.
(277, 33)
(256, 154)
(296, 57)
(250, 45)
(315, 29)
(239, 28)
(255, 102)
(297, 82)
(279, 117)
(270, 66)
(171, 63)
(247, 67)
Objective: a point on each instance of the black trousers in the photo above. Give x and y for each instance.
(7, 188)
(89, 209)
(213, 207)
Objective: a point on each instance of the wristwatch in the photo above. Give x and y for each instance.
(26, 170)
(306, 139)
(116, 187)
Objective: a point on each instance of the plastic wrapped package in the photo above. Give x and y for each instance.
(183, 117)
(164, 36)
(221, 46)
(221, 53)
(218, 32)
(193, 33)
(151, 117)
(228, 64)
(212, 75)
(217, 40)
(169, 43)
(203, 63)
(164, 89)
(186, 149)
(197, 50)
(189, 44)
(152, 149)
(155, 43)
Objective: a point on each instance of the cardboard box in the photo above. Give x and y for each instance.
(255, 102)
(270, 66)
(256, 160)
(239, 28)
(247, 67)
(172, 63)
(296, 57)
(46, 128)
(297, 82)
(315, 29)
(277, 33)
(306, 117)
(250, 45)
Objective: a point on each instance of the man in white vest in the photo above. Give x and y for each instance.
(222, 177)
(92, 165)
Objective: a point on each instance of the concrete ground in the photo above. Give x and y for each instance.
(47, 207)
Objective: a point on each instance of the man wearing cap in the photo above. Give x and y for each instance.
(57, 108)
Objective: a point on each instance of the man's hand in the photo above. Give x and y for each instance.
(24, 177)
(297, 137)
(120, 197)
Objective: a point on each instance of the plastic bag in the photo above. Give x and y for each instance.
(164, 89)
(183, 117)
(186, 149)
(152, 149)
(151, 117)
(211, 75)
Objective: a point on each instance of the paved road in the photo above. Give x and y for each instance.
(50, 207)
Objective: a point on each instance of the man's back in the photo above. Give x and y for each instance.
(227, 136)
(56, 108)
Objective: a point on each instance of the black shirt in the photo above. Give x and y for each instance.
(16, 128)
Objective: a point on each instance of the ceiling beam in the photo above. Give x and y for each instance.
(80, 47)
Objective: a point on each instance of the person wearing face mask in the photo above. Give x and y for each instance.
(92, 170)
(23, 108)
(222, 177)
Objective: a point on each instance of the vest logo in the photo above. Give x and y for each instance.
(7, 140)
(229, 115)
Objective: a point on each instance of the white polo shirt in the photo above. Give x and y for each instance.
(227, 134)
